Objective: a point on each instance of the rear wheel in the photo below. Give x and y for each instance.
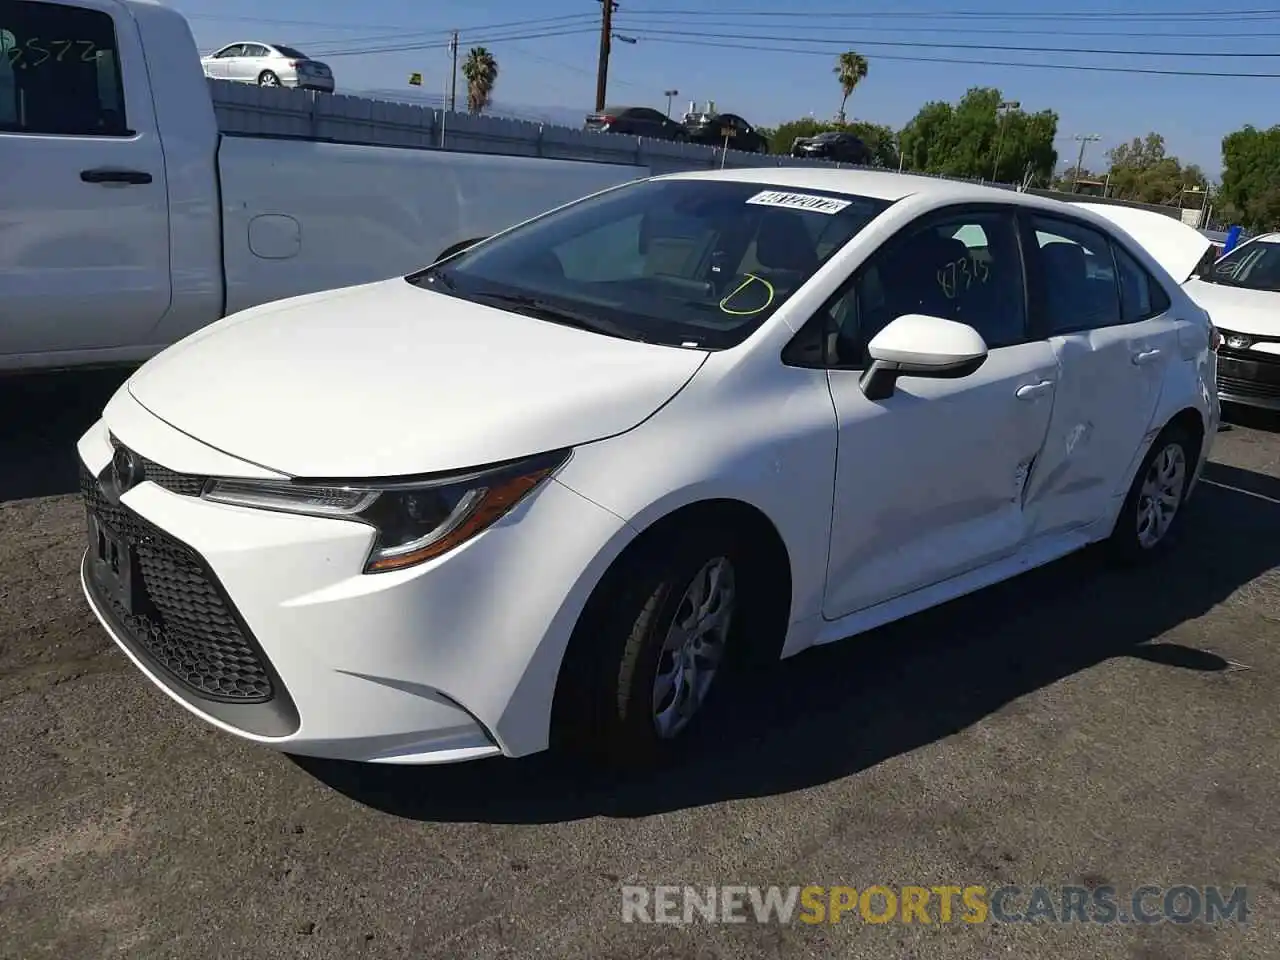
(1152, 511)
(268, 79)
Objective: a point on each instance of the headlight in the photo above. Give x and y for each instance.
(416, 520)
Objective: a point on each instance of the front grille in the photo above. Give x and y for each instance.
(1248, 388)
(186, 626)
(183, 484)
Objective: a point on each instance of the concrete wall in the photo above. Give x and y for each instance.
(261, 111)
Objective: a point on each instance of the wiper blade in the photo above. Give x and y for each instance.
(545, 310)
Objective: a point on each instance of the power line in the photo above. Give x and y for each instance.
(1100, 16)
(403, 34)
(400, 29)
(572, 68)
(1002, 48)
(976, 63)
(443, 44)
(628, 22)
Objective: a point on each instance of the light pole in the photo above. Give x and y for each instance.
(669, 94)
(1002, 117)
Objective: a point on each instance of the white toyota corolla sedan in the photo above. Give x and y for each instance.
(543, 490)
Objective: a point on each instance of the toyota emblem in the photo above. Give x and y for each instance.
(126, 470)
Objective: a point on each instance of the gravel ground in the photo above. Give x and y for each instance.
(1078, 726)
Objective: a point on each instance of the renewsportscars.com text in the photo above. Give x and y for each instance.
(974, 904)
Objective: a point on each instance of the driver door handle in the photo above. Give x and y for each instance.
(1145, 356)
(1033, 391)
(112, 175)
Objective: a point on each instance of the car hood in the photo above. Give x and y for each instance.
(1237, 310)
(1176, 246)
(387, 379)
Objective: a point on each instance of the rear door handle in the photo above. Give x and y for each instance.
(1145, 356)
(1033, 390)
(113, 175)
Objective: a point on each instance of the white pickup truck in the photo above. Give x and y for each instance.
(127, 220)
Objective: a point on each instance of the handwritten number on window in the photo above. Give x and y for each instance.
(960, 275)
(36, 52)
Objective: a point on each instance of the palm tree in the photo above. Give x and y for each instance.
(481, 72)
(850, 70)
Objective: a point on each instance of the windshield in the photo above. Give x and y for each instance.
(291, 53)
(693, 263)
(1254, 266)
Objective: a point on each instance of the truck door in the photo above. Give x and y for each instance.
(84, 218)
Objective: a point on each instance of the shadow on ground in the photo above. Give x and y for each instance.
(835, 711)
(1251, 417)
(43, 416)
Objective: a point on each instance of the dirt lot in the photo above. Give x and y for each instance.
(1079, 726)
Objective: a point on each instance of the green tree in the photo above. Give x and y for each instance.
(975, 139)
(1251, 177)
(480, 70)
(1142, 170)
(881, 140)
(850, 70)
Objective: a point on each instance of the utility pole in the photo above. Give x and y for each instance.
(607, 7)
(669, 94)
(453, 86)
(1085, 139)
(1002, 117)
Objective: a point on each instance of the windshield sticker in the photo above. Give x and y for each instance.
(799, 201)
(752, 279)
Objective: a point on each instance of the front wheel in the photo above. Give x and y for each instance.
(1152, 511)
(652, 651)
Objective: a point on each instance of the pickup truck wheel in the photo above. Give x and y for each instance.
(268, 79)
(651, 648)
(1152, 510)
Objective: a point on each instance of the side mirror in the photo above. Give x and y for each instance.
(915, 345)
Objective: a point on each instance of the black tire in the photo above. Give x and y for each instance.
(267, 78)
(1125, 543)
(605, 702)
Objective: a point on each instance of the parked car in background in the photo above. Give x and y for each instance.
(636, 122)
(711, 129)
(268, 65)
(1241, 291)
(832, 145)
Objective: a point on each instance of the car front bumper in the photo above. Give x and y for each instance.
(262, 623)
(1250, 377)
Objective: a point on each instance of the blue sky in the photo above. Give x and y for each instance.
(768, 86)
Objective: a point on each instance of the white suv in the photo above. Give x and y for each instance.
(268, 65)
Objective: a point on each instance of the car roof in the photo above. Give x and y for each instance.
(878, 184)
(890, 186)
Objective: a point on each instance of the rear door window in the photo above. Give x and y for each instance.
(1078, 276)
